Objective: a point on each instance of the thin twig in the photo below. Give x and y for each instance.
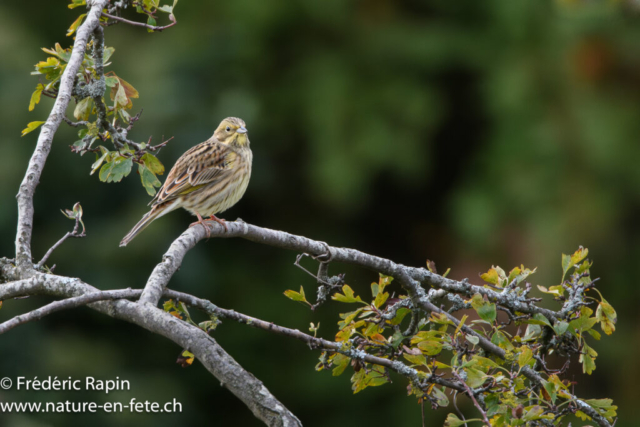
(142, 24)
(75, 124)
(472, 396)
(73, 233)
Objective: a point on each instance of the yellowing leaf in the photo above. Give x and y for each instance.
(606, 315)
(340, 361)
(72, 29)
(296, 296)
(418, 359)
(495, 275)
(348, 295)
(526, 356)
(35, 96)
(569, 261)
(31, 127)
(153, 163)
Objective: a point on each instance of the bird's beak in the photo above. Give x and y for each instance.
(241, 129)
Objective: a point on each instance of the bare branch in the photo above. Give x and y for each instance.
(142, 24)
(74, 124)
(45, 139)
(65, 304)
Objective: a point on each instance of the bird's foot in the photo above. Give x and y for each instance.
(219, 221)
(202, 223)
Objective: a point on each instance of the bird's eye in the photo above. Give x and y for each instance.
(228, 128)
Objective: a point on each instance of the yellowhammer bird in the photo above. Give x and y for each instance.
(208, 179)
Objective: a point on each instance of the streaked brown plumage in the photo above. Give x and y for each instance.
(206, 180)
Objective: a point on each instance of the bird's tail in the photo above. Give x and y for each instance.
(142, 224)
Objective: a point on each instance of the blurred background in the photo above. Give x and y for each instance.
(471, 133)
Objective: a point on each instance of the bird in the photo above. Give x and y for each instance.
(208, 179)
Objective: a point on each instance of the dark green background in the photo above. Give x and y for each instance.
(469, 132)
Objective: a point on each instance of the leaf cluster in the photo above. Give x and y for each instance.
(441, 350)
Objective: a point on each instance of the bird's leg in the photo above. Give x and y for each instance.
(219, 221)
(201, 222)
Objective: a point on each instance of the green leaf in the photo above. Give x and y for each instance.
(111, 81)
(99, 159)
(588, 359)
(35, 96)
(453, 421)
(560, 327)
(534, 413)
(486, 310)
(472, 339)
(83, 109)
(526, 356)
(348, 296)
(108, 51)
(553, 290)
(475, 377)
(415, 359)
(152, 162)
(340, 361)
(116, 169)
(149, 180)
(367, 378)
(400, 315)
(430, 347)
(31, 127)
(501, 340)
(120, 98)
(519, 274)
(539, 319)
(441, 398)
(584, 322)
(551, 389)
(296, 296)
(151, 21)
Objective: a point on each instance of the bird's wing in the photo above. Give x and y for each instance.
(203, 164)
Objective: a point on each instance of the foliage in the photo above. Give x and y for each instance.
(101, 117)
(515, 385)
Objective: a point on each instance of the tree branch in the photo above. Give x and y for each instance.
(45, 139)
(66, 304)
(313, 342)
(232, 375)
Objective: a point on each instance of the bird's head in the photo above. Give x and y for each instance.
(232, 131)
